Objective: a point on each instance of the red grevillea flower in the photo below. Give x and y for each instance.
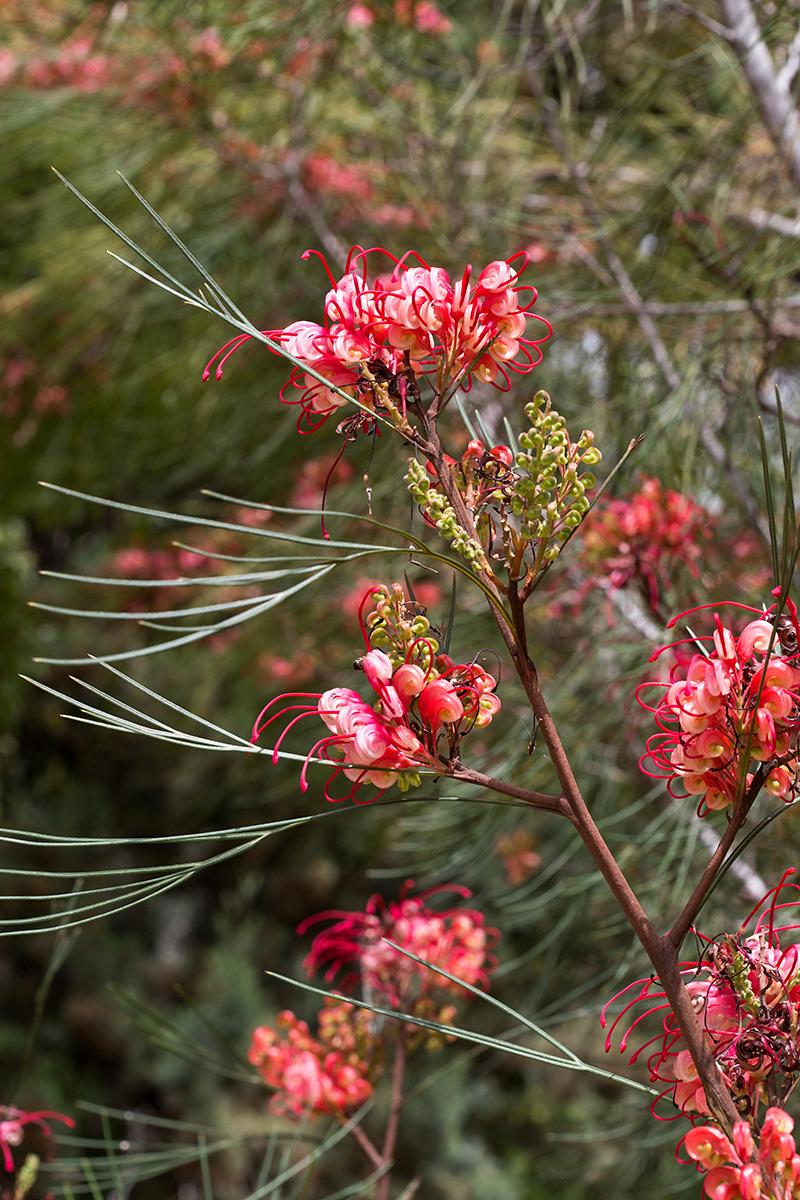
(745, 990)
(328, 1075)
(736, 1171)
(452, 331)
(734, 706)
(422, 702)
(456, 940)
(12, 1126)
(641, 539)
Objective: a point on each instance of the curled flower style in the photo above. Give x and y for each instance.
(455, 940)
(424, 705)
(746, 992)
(729, 718)
(12, 1128)
(641, 539)
(734, 1168)
(328, 1075)
(375, 330)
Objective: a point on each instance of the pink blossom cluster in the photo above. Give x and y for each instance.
(421, 698)
(74, 66)
(12, 1128)
(326, 174)
(425, 16)
(325, 1075)
(452, 330)
(736, 1172)
(746, 993)
(735, 705)
(641, 539)
(456, 940)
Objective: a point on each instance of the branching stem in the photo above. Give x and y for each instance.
(662, 951)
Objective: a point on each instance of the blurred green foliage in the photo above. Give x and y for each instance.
(578, 130)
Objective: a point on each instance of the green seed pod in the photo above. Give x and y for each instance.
(592, 456)
(379, 638)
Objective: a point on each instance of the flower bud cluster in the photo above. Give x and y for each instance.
(746, 993)
(440, 514)
(733, 707)
(397, 626)
(549, 492)
(424, 703)
(313, 1076)
(531, 501)
(450, 330)
(736, 1171)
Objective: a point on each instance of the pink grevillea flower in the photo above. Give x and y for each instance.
(641, 539)
(734, 1168)
(456, 940)
(452, 331)
(12, 1128)
(423, 705)
(730, 717)
(327, 1075)
(746, 992)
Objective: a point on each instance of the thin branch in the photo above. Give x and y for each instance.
(395, 1106)
(555, 804)
(371, 1151)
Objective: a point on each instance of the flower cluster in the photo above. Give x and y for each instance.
(641, 539)
(531, 500)
(422, 14)
(734, 1170)
(746, 993)
(456, 940)
(733, 706)
(415, 317)
(325, 1075)
(425, 702)
(335, 1071)
(12, 1128)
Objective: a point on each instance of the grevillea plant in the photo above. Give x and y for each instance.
(336, 1072)
(399, 346)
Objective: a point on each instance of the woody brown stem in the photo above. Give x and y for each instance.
(556, 804)
(661, 951)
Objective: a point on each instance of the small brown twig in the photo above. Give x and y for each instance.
(395, 1106)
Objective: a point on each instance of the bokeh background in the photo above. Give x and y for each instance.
(619, 143)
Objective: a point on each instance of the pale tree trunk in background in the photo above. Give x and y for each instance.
(771, 86)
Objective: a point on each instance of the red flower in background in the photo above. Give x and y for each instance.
(642, 539)
(321, 1076)
(455, 940)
